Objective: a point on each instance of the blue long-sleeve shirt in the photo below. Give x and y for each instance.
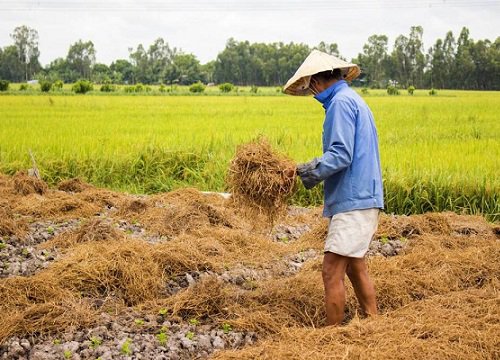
(350, 165)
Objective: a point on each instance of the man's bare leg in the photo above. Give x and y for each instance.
(357, 272)
(334, 269)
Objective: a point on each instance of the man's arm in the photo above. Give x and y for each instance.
(339, 154)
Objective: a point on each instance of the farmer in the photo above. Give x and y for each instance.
(350, 169)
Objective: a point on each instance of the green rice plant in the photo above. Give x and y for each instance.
(162, 338)
(226, 328)
(125, 348)
(95, 342)
(194, 322)
(163, 312)
(437, 153)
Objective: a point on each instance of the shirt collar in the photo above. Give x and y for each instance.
(326, 95)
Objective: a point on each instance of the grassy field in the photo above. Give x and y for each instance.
(438, 152)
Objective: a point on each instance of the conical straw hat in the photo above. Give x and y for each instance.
(317, 62)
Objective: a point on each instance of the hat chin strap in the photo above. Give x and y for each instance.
(313, 89)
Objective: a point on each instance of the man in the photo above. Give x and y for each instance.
(350, 169)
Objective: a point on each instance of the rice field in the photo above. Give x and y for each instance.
(88, 273)
(438, 152)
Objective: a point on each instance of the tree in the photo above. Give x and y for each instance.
(150, 65)
(441, 60)
(244, 63)
(122, 71)
(486, 73)
(492, 71)
(464, 64)
(415, 54)
(408, 59)
(11, 68)
(81, 58)
(331, 49)
(438, 67)
(449, 62)
(449, 45)
(184, 69)
(160, 55)
(101, 73)
(401, 62)
(26, 42)
(139, 60)
(60, 69)
(207, 71)
(373, 57)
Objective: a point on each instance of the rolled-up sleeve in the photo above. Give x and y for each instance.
(340, 132)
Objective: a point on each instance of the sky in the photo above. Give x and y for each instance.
(203, 27)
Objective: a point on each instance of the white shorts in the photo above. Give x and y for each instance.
(350, 233)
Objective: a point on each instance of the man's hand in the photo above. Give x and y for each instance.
(305, 171)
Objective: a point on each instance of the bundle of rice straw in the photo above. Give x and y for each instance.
(260, 178)
(25, 184)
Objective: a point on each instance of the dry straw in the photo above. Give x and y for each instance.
(135, 273)
(101, 197)
(25, 184)
(73, 185)
(92, 230)
(437, 300)
(261, 178)
(434, 265)
(459, 325)
(183, 211)
(54, 205)
(402, 227)
(9, 224)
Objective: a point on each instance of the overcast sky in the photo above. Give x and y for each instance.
(203, 27)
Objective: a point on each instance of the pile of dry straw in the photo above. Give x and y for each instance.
(261, 178)
(438, 300)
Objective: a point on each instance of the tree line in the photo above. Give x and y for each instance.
(453, 63)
